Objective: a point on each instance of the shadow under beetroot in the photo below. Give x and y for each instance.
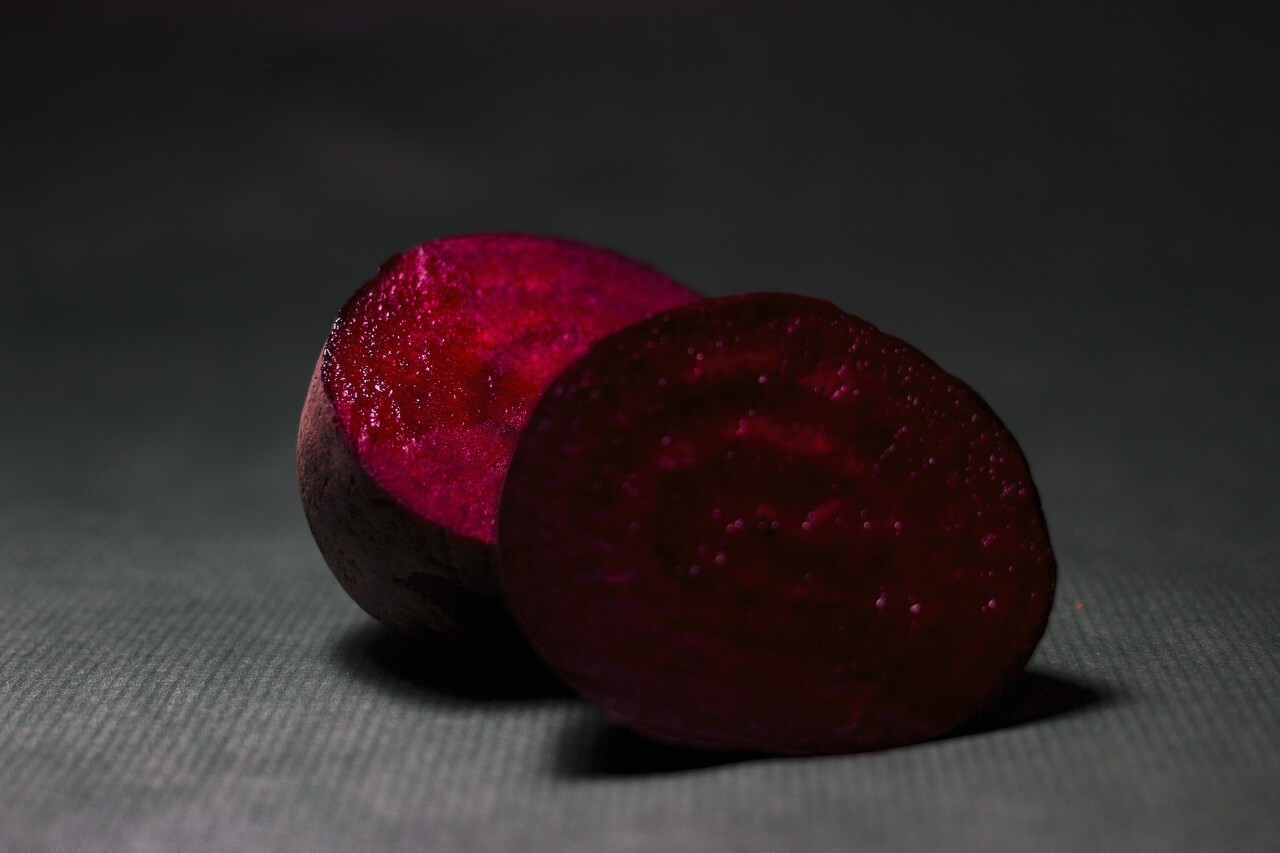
(596, 747)
(1033, 697)
(500, 667)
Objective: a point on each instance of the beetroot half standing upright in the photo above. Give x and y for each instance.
(759, 523)
(419, 395)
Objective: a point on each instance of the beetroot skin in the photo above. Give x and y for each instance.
(760, 523)
(417, 400)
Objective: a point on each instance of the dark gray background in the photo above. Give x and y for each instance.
(1074, 208)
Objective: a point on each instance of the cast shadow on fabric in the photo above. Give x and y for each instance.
(596, 747)
(504, 669)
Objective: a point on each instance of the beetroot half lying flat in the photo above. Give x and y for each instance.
(418, 398)
(759, 523)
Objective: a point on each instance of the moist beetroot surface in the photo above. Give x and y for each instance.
(760, 523)
(432, 367)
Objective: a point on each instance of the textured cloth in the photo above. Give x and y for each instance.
(1076, 211)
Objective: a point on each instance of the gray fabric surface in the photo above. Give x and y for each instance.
(1076, 210)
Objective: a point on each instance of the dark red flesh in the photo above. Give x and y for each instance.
(424, 385)
(760, 523)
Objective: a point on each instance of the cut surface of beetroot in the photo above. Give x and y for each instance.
(420, 393)
(760, 523)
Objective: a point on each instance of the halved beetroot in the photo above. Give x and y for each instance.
(418, 397)
(760, 523)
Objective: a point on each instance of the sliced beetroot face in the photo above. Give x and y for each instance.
(425, 382)
(760, 523)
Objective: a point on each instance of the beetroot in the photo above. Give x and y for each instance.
(417, 400)
(759, 523)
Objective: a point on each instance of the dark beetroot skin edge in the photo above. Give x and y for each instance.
(759, 523)
(418, 397)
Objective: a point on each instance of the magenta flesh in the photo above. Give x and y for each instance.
(418, 398)
(760, 523)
